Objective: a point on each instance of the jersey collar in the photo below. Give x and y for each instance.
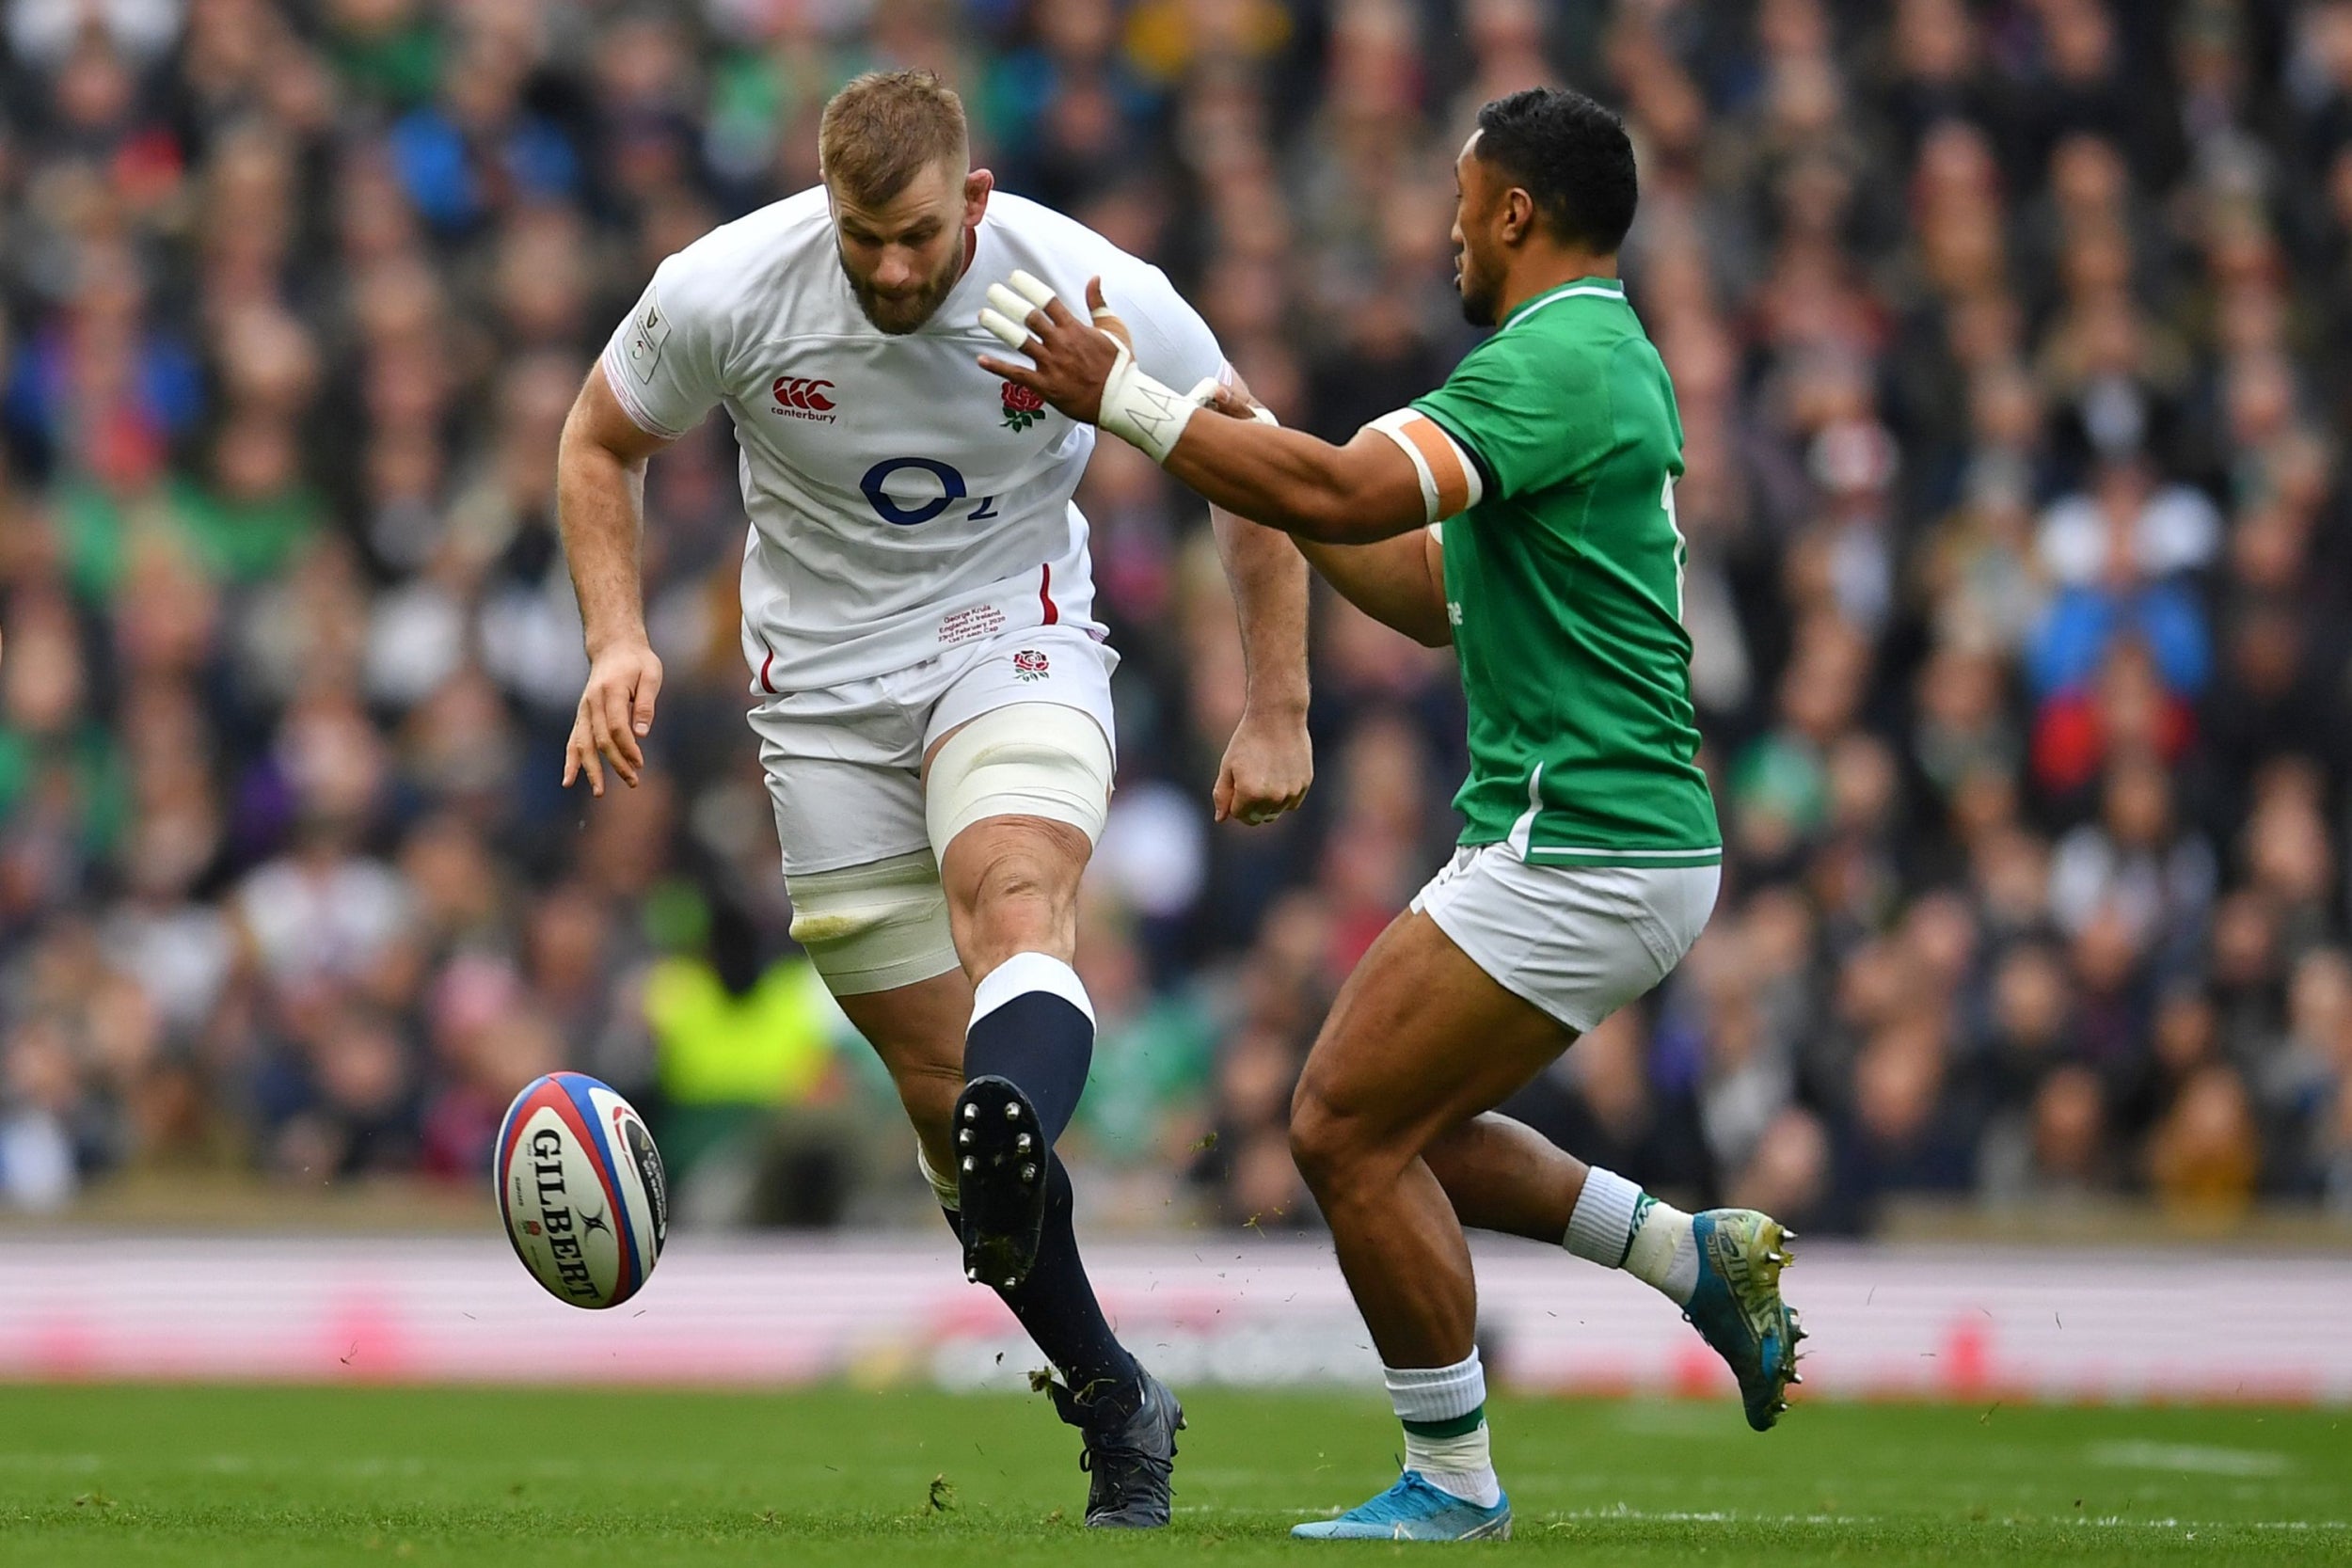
(1608, 288)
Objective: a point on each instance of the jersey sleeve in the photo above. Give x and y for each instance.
(663, 361)
(1171, 343)
(1451, 480)
(1528, 419)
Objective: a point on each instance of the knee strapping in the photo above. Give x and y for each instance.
(874, 927)
(1029, 759)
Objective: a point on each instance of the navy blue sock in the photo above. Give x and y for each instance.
(1030, 1024)
(1057, 1305)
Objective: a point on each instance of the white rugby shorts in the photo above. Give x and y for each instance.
(844, 762)
(1579, 941)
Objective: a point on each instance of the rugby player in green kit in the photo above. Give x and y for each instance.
(1524, 513)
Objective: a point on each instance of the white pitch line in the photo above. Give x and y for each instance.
(1678, 1516)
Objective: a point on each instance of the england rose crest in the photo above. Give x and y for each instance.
(1023, 407)
(1030, 665)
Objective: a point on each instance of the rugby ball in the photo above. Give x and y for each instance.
(581, 1189)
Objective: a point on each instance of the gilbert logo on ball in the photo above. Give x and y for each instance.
(581, 1189)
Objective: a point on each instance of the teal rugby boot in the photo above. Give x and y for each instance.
(1413, 1510)
(1737, 1305)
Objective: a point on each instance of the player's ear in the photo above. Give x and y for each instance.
(977, 185)
(1519, 215)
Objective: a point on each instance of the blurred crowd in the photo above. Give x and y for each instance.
(2014, 341)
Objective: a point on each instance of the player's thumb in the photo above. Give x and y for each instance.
(1104, 317)
(649, 687)
(1230, 403)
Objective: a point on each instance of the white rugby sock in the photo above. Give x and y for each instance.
(1444, 1413)
(1618, 1226)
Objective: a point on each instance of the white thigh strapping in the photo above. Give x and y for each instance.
(874, 927)
(1025, 759)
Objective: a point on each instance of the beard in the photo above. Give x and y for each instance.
(1480, 295)
(903, 313)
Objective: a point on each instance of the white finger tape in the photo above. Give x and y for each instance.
(1032, 288)
(1012, 332)
(1009, 304)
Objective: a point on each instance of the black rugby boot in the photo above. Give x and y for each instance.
(1000, 1182)
(1130, 1453)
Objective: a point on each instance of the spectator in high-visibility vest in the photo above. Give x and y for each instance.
(743, 1049)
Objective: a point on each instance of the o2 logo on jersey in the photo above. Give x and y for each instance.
(912, 513)
(802, 397)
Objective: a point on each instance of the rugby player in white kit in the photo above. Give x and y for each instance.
(931, 688)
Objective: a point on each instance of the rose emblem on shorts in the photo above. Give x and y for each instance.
(1023, 407)
(1030, 665)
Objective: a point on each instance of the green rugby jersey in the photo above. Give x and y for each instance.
(1564, 583)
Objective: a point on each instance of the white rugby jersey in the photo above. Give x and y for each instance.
(902, 499)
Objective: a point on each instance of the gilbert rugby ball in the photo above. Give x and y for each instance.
(581, 1189)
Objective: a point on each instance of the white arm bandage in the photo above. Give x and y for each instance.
(1137, 410)
(1449, 484)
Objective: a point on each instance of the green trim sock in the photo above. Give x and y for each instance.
(1443, 1411)
(1618, 1226)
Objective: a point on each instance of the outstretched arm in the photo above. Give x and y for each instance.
(600, 504)
(1364, 491)
(1399, 582)
(1346, 506)
(1356, 493)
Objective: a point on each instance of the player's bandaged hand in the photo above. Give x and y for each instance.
(1222, 398)
(1086, 369)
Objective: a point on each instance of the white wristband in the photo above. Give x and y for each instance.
(1142, 411)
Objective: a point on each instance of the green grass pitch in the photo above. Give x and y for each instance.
(517, 1477)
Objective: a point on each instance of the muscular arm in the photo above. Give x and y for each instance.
(1399, 582)
(1357, 494)
(1365, 491)
(600, 500)
(1269, 584)
(600, 507)
(1269, 760)
(1270, 593)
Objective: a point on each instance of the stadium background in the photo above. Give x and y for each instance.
(2011, 344)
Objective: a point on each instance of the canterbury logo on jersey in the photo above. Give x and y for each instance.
(803, 396)
(1449, 479)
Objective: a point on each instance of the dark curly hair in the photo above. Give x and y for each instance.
(1571, 156)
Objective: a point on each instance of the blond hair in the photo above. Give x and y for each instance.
(885, 128)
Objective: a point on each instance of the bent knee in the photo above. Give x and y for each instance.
(1022, 874)
(1325, 1140)
(1014, 890)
